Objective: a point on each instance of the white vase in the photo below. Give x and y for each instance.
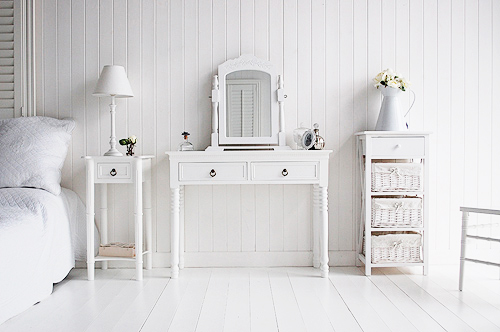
(390, 118)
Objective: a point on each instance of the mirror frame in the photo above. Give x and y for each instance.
(246, 62)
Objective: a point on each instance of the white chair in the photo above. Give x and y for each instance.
(465, 220)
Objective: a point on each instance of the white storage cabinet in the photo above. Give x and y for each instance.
(394, 219)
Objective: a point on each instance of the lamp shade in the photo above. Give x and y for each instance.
(113, 82)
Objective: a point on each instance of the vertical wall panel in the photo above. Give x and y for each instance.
(416, 74)
(106, 58)
(50, 100)
(247, 27)
(471, 94)
(161, 226)
(430, 90)
(444, 118)
(206, 69)
(457, 127)
(219, 220)
(290, 65)
(64, 78)
(484, 165)
(245, 214)
(78, 88)
(346, 96)
(276, 221)
(331, 134)
(119, 53)
(328, 51)
(262, 216)
(495, 108)
(374, 61)
(402, 61)
(304, 63)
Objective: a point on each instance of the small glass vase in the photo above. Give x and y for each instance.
(390, 117)
(186, 145)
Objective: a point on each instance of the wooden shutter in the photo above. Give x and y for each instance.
(243, 108)
(7, 60)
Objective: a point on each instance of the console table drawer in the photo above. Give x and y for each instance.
(284, 171)
(114, 171)
(398, 146)
(212, 172)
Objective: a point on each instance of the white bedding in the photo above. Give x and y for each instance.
(41, 235)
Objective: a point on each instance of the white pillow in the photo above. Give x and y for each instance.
(32, 152)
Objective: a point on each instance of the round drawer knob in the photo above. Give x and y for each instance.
(284, 172)
(398, 146)
(213, 173)
(113, 172)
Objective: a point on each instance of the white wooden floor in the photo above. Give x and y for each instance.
(270, 299)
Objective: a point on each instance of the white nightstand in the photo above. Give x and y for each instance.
(104, 170)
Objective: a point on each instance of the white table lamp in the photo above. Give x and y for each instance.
(113, 83)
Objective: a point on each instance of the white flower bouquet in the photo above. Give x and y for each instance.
(130, 143)
(388, 78)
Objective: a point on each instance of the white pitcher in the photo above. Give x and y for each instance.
(390, 117)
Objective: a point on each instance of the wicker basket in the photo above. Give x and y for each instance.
(396, 248)
(400, 212)
(396, 176)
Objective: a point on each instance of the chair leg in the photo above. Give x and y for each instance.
(465, 219)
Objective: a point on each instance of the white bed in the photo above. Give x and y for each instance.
(42, 227)
(41, 235)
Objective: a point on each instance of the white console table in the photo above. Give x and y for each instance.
(251, 167)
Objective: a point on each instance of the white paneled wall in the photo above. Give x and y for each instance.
(328, 52)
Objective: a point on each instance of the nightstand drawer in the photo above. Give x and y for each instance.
(212, 172)
(114, 171)
(284, 171)
(398, 146)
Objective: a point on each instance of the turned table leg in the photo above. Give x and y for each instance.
(174, 250)
(321, 207)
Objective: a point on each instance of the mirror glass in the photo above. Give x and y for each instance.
(248, 104)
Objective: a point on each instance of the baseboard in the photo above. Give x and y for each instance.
(241, 259)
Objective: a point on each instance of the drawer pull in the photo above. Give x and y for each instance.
(213, 173)
(113, 172)
(398, 146)
(284, 172)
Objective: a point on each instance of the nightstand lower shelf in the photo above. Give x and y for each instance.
(115, 258)
(397, 229)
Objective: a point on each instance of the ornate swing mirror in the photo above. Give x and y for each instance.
(247, 106)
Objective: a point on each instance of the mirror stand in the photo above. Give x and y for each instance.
(248, 105)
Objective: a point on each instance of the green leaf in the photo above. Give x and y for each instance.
(124, 141)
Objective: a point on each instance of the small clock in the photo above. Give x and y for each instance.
(304, 137)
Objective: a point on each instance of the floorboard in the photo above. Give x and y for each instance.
(313, 313)
(286, 307)
(262, 312)
(409, 308)
(214, 306)
(237, 317)
(440, 313)
(269, 299)
(362, 310)
(137, 313)
(387, 310)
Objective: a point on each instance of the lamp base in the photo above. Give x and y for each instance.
(113, 153)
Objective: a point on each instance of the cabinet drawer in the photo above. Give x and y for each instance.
(284, 171)
(212, 172)
(114, 171)
(398, 146)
